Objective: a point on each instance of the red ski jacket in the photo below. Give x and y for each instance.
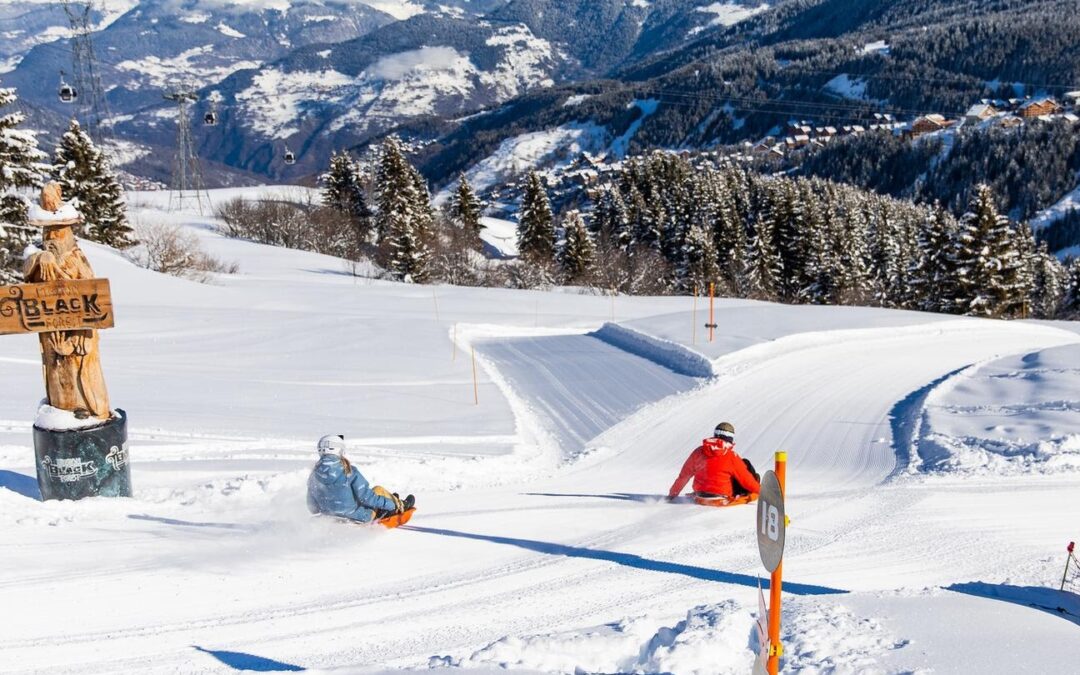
(712, 465)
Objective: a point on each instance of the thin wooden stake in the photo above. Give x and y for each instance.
(712, 321)
(436, 299)
(453, 341)
(475, 384)
(693, 323)
(613, 305)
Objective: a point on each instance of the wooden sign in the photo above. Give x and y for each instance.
(70, 304)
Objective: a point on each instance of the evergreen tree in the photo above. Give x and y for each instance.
(698, 267)
(20, 168)
(84, 174)
(729, 237)
(611, 221)
(343, 188)
(578, 251)
(854, 283)
(536, 227)
(1049, 284)
(989, 264)
(766, 271)
(933, 274)
(404, 219)
(465, 210)
(1071, 304)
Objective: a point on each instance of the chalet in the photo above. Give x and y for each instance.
(928, 124)
(1040, 107)
(979, 112)
(1073, 99)
(1009, 122)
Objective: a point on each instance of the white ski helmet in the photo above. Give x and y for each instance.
(332, 445)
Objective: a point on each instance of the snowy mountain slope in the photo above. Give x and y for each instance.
(160, 44)
(438, 61)
(513, 560)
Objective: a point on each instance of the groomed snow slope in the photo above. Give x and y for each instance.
(527, 553)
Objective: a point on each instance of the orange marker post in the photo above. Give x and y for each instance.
(776, 650)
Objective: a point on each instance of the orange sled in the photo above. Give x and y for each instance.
(725, 501)
(396, 520)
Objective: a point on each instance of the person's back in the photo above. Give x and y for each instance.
(337, 488)
(716, 468)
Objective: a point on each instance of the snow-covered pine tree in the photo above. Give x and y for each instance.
(536, 226)
(465, 210)
(20, 168)
(932, 275)
(791, 238)
(578, 251)
(988, 261)
(854, 285)
(765, 270)
(343, 189)
(1049, 281)
(729, 236)
(1070, 308)
(84, 174)
(610, 220)
(403, 222)
(698, 267)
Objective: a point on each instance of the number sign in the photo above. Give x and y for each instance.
(770, 522)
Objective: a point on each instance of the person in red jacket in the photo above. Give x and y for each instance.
(718, 471)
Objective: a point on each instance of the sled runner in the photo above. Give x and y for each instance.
(725, 501)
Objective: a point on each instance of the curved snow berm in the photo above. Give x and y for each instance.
(1018, 414)
(671, 355)
(566, 388)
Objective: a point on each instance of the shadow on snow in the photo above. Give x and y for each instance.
(1050, 600)
(188, 523)
(20, 483)
(250, 662)
(630, 560)
(621, 496)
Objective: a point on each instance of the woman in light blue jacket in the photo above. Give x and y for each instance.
(336, 488)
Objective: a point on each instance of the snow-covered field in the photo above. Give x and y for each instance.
(932, 482)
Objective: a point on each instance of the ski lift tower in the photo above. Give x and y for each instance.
(187, 183)
(84, 69)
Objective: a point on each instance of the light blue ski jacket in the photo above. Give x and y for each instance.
(333, 492)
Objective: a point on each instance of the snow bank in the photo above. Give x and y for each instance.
(671, 355)
(710, 639)
(1019, 414)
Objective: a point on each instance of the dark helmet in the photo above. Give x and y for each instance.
(725, 431)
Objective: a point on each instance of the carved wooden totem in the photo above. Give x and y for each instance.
(73, 377)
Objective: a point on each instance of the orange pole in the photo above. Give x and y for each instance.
(776, 650)
(475, 385)
(712, 323)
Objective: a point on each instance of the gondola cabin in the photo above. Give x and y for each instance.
(210, 119)
(67, 93)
